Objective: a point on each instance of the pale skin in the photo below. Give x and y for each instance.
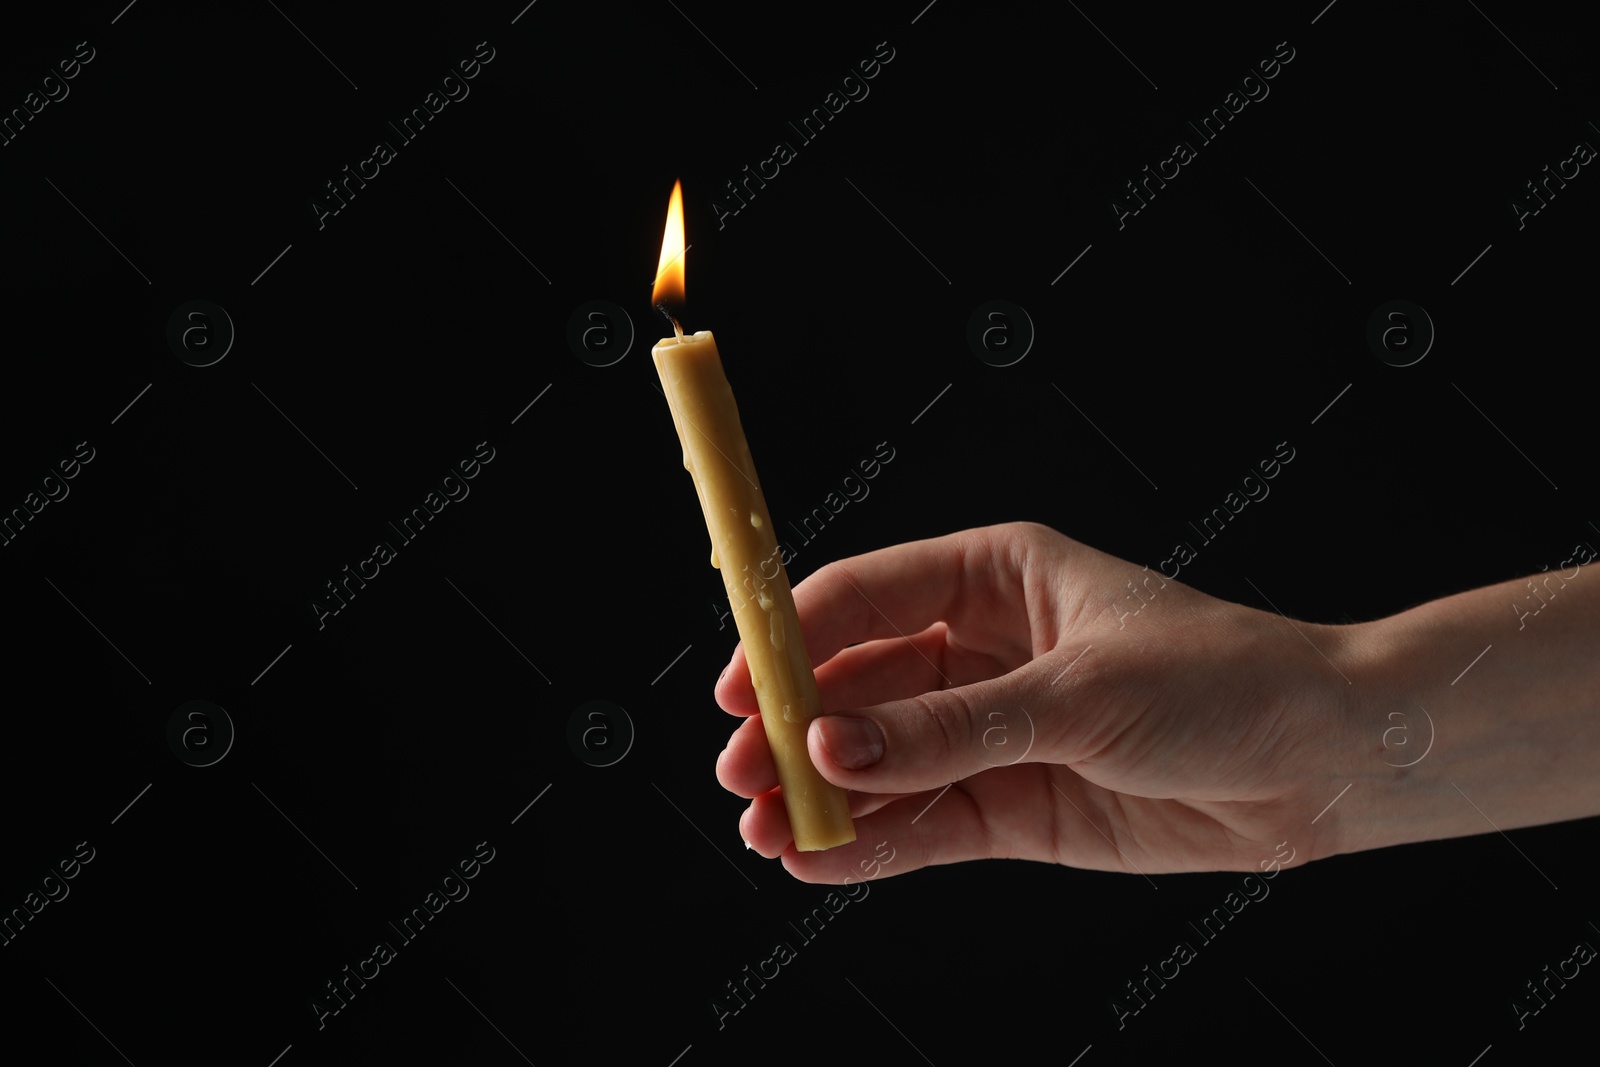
(1170, 731)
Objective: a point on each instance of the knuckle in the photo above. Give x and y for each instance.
(951, 718)
(1029, 532)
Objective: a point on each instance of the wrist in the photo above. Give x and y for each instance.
(1459, 722)
(1388, 746)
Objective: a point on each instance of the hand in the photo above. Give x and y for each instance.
(1082, 711)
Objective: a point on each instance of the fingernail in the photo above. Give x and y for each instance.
(851, 743)
(748, 845)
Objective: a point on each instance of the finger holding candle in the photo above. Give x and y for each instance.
(856, 679)
(765, 823)
(890, 610)
(875, 672)
(745, 768)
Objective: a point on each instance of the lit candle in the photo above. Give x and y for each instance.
(745, 548)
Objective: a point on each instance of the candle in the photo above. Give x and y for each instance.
(744, 547)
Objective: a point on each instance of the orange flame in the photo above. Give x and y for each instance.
(669, 287)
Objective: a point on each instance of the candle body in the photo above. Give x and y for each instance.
(744, 547)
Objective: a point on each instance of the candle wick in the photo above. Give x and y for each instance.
(675, 327)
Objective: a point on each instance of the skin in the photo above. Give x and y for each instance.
(1169, 732)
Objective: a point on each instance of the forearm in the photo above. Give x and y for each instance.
(1508, 699)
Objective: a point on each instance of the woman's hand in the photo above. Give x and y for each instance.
(1007, 692)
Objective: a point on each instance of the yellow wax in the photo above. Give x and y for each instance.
(745, 549)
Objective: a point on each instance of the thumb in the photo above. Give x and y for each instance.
(928, 741)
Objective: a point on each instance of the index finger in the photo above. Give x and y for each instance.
(897, 591)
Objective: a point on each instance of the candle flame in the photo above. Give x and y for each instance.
(669, 287)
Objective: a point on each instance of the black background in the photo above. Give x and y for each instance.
(382, 346)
